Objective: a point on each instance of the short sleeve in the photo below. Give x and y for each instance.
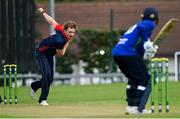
(145, 31)
(59, 27)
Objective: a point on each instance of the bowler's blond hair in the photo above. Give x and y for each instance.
(70, 24)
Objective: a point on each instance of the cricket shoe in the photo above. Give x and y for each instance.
(145, 111)
(43, 103)
(132, 110)
(32, 92)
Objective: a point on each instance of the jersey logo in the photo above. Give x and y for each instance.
(53, 33)
(131, 29)
(122, 40)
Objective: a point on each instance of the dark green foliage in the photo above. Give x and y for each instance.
(64, 64)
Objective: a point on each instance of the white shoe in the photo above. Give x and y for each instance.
(132, 110)
(146, 111)
(32, 92)
(44, 103)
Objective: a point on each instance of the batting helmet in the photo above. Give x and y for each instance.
(150, 13)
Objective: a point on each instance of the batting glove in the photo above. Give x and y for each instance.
(150, 50)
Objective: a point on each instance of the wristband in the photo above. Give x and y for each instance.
(42, 12)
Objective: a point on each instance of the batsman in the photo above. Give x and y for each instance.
(129, 54)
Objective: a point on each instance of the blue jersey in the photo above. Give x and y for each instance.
(55, 41)
(131, 43)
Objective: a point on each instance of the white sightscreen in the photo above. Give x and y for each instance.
(177, 65)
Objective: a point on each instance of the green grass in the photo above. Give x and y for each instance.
(104, 100)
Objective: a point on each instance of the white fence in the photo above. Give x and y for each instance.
(25, 79)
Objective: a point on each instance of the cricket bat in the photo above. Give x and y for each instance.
(170, 24)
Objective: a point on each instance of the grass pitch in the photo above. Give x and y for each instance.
(89, 101)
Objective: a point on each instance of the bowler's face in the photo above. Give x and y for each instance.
(70, 32)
